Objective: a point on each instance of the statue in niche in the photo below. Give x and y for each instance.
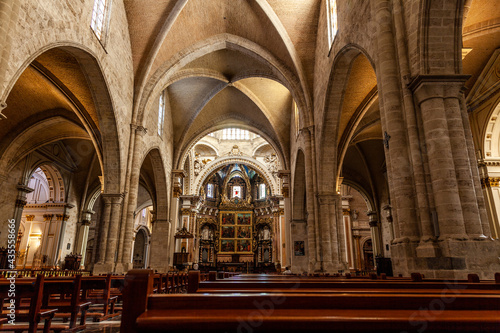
(205, 233)
(265, 233)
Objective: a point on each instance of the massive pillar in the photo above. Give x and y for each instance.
(459, 228)
(126, 238)
(332, 232)
(399, 167)
(109, 233)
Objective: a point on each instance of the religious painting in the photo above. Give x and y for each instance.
(244, 232)
(244, 245)
(227, 245)
(227, 218)
(227, 232)
(299, 248)
(245, 218)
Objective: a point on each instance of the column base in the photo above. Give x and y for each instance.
(453, 258)
(123, 268)
(103, 268)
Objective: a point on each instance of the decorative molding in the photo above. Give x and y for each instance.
(235, 204)
(490, 182)
(21, 203)
(183, 233)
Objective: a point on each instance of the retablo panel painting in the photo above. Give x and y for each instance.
(227, 232)
(245, 218)
(227, 218)
(244, 232)
(236, 232)
(227, 246)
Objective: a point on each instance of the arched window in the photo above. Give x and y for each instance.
(332, 20)
(100, 18)
(210, 190)
(236, 192)
(161, 113)
(262, 191)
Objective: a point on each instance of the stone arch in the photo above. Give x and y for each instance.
(491, 134)
(334, 98)
(141, 245)
(40, 133)
(217, 124)
(240, 160)
(105, 137)
(160, 79)
(160, 200)
(95, 193)
(363, 192)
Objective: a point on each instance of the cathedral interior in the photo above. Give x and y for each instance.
(251, 135)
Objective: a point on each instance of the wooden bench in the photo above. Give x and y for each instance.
(97, 291)
(64, 294)
(300, 312)
(27, 291)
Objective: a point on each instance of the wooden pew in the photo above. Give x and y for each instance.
(299, 312)
(97, 291)
(64, 294)
(30, 290)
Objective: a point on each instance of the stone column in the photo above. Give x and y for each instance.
(177, 180)
(490, 188)
(83, 235)
(445, 144)
(127, 222)
(62, 219)
(359, 265)
(108, 232)
(114, 223)
(159, 249)
(313, 227)
(104, 227)
(47, 219)
(400, 177)
(331, 231)
(375, 231)
(287, 234)
(22, 191)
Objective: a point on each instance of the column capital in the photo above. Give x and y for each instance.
(24, 188)
(428, 86)
(85, 223)
(47, 217)
(112, 198)
(139, 130)
(327, 198)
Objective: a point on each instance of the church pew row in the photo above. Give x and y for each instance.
(61, 297)
(299, 311)
(30, 292)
